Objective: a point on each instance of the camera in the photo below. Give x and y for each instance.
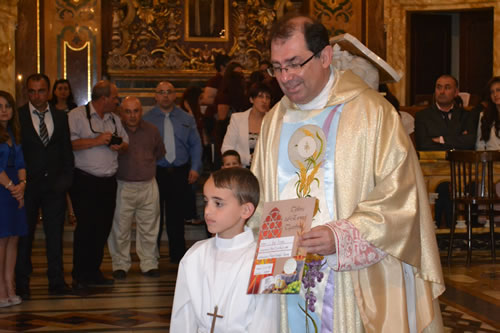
(115, 140)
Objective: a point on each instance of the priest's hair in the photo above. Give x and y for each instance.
(241, 182)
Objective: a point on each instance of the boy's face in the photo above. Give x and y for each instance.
(223, 213)
(230, 161)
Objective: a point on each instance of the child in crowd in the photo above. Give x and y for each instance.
(230, 159)
(210, 293)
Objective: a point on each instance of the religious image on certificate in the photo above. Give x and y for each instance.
(279, 261)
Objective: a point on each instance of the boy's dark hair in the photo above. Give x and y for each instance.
(232, 152)
(241, 182)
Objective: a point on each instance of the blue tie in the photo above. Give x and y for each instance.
(168, 138)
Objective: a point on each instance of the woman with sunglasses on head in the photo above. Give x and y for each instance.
(13, 182)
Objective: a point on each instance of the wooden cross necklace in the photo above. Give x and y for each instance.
(215, 316)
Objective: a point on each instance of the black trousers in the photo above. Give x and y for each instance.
(174, 191)
(443, 205)
(53, 206)
(94, 200)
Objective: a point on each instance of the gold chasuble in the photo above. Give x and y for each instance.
(379, 189)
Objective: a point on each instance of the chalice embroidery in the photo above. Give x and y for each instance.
(306, 151)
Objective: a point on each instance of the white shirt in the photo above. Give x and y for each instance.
(99, 161)
(49, 122)
(214, 272)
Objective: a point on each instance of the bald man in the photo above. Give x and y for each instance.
(137, 195)
(179, 167)
(98, 137)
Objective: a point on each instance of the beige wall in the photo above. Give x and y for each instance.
(395, 15)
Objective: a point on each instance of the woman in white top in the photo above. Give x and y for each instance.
(488, 132)
(244, 127)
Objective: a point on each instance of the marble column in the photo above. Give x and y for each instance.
(8, 22)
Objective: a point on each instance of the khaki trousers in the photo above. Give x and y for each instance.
(139, 200)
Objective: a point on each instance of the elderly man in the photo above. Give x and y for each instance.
(445, 125)
(97, 136)
(137, 195)
(49, 165)
(334, 138)
(180, 166)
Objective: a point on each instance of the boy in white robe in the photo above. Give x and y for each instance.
(210, 293)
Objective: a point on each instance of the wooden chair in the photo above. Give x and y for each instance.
(472, 184)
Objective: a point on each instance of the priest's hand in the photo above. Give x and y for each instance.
(319, 240)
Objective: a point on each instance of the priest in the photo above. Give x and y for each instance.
(373, 258)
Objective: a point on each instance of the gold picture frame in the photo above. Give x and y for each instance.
(206, 21)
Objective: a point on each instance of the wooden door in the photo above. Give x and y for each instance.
(430, 53)
(476, 51)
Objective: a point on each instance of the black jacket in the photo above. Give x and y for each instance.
(50, 166)
(458, 133)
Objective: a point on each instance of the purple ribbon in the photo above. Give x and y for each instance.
(327, 313)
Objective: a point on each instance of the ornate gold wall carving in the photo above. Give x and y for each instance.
(8, 19)
(339, 16)
(152, 36)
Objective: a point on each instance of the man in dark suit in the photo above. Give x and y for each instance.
(445, 126)
(49, 165)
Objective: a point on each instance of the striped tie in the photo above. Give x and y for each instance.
(44, 134)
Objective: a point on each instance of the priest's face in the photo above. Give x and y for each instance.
(224, 214)
(300, 74)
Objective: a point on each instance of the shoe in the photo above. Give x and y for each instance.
(101, 281)
(152, 273)
(62, 289)
(120, 274)
(15, 300)
(4, 303)
(24, 293)
(79, 285)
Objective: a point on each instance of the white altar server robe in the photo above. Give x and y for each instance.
(215, 272)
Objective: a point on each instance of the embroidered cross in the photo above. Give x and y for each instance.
(215, 315)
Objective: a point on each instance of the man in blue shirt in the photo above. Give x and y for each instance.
(180, 166)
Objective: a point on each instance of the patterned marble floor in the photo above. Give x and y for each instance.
(143, 304)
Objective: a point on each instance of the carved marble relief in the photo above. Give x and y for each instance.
(335, 15)
(8, 18)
